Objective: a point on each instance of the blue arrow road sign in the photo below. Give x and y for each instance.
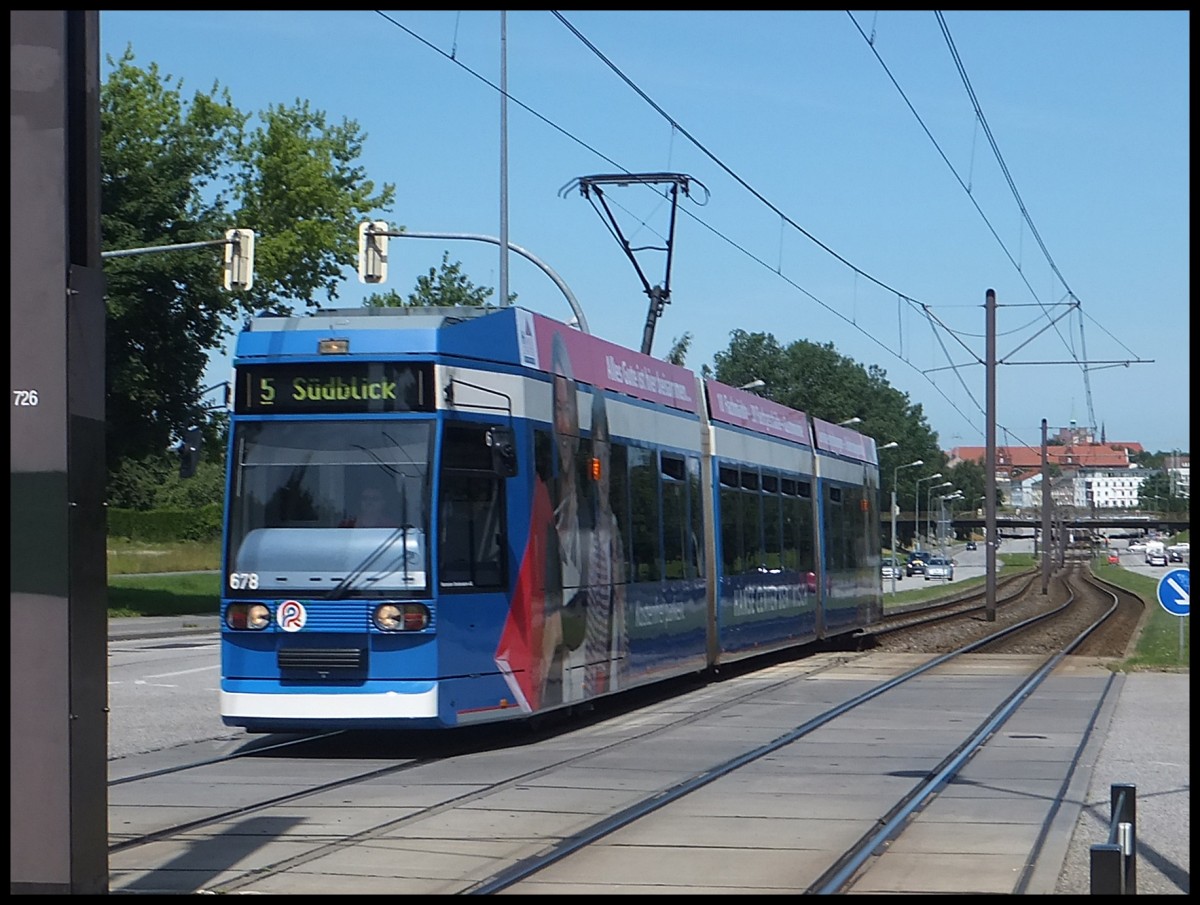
(1173, 592)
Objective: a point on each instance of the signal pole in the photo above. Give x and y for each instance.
(989, 512)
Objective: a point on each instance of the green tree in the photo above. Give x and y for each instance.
(298, 186)
(679, 350)
(153, 482)
(816, 379)
(971, 478)
(1155, 493)
(442, 287)
(178, 170)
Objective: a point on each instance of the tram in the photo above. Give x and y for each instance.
(438, 517)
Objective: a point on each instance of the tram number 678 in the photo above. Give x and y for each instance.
(243, 581)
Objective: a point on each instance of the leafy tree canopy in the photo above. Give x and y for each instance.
(817, 380)
(441, 287)
(177, 170)
(679, 350)
(1157, 494)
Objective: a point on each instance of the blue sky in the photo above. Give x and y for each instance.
(857, 178)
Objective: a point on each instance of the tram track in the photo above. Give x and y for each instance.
(930, 613)
(846, 867)
(587, 805)
(431, 749)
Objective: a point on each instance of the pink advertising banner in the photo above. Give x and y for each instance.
(601, 363)
(842, 441)
(745, 409)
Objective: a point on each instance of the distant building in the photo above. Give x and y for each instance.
(1109, 488)
(1179, 471)
(1090, 475)
(1025, 492)
(1013, 461)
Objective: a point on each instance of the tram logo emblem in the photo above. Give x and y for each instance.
(291, 616)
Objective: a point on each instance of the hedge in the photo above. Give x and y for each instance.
(166, 525)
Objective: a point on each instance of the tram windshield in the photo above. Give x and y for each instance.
(330, 507)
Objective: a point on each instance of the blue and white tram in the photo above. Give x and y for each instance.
(444, 516)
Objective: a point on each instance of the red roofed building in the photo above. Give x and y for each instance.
(1015, 461)
(1088, 474)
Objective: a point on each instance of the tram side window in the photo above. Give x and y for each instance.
(618, 496)
(675, 516)
(772, 544)
(858, 513)
(731, 521)
(797, 525)
(838, 531)
(618, 499)
(644, 524)
(695, 559)
(751, 503)
(852, 534)
(790, 531)
(471, 515)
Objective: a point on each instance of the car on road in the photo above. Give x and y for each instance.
(939, 567)
(1137, 546)
(916, 563)
(1114, 558)
(890, 569)
(971, 545)
(1176, 552)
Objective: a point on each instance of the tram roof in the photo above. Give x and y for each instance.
(514, 336)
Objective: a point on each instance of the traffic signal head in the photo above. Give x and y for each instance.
(189, 451)
(239, 258)
(372, 251)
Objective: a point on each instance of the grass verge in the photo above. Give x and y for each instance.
(1165, 642)
(164, 595)
(134, 592)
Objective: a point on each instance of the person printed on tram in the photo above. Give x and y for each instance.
(545, 622)
(606, 643)
(566, 580)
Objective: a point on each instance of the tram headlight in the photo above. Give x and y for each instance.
(253, 616)
(401, 617)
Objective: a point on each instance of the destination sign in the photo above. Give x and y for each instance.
(334, 388)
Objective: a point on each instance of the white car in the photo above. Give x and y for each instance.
(1137, 547)
(939, 567)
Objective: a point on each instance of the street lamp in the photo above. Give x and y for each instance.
(917, 503)
(891, 444)
(753, 384)
(942, 501)
(849, 421)
(978, 510)
(929, 505)
(895, 478)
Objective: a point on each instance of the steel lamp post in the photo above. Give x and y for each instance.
(929, 506)
(917, 503)
(942, 501)
(891, 444)
(895, 478)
